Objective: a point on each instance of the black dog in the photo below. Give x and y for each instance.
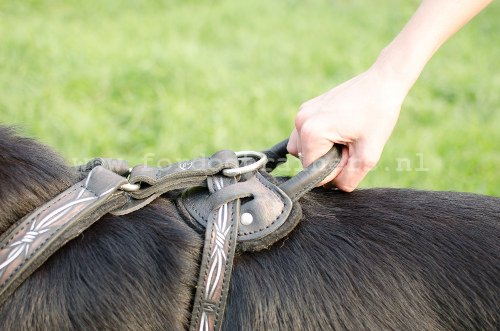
(371, 259)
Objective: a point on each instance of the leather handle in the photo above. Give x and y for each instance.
(276, 155)
(311, 176)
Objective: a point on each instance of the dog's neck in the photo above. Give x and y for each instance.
(30, 175)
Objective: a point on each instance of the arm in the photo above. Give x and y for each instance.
(434, 22)
(362, 112)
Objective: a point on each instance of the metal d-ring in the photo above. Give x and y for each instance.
(130, 187)
(261, 161)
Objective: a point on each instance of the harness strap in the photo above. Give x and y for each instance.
(271, 211)
(153, 182)
(276, 155)
(217, 262)
(311, 176)
(117, 166)
(180, 175)
(33, 239)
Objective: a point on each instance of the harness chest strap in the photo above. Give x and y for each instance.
(217, 261)
(32, 240)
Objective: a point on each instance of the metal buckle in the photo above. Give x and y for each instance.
(259, 163)
(128, 187)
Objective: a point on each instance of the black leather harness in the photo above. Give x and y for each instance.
(230, 197)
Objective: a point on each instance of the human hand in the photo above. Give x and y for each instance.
(360, 114)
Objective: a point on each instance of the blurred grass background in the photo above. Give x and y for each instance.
(160, 81)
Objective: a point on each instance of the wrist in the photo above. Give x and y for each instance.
(398, 67)
(394, 79)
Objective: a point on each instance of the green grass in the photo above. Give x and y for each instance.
(168, 80)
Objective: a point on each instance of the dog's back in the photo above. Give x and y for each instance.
(371, 259)
(377, 259)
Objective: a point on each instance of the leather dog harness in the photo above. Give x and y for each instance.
(230, 197)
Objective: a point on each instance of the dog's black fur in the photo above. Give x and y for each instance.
(371, 259)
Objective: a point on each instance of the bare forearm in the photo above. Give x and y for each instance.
(434, 22)
(362, 112)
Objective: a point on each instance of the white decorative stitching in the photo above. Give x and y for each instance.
(41, 227)
(204, 322)
(222, 228)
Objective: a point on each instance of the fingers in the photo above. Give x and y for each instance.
(316, 137)
(362, 158)
(360, 113)
(328, 179)
(293, 145)
(313, 146)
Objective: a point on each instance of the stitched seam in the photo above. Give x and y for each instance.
(202, 289)
(277, 218)
(224, 279)
(42, 244)
(32, 218)
(311, 186)
(89, 190)
(56, 230)
(192, 205)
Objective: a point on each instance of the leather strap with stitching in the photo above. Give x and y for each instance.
(311, 176)
(32, 240)
(180, 175)
(217, 262)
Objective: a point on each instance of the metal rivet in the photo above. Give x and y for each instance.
(246, 218)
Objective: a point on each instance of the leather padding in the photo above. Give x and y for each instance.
(269, 206)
